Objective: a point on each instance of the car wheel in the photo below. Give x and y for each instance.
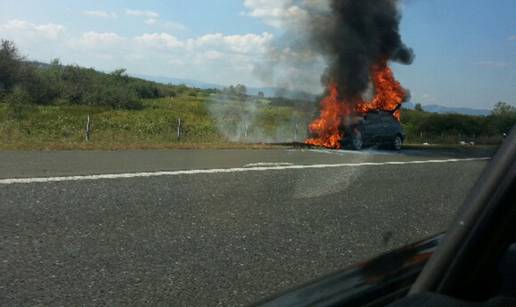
(397, 142)
(356, 140)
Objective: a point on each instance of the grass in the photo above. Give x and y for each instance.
(207, 122)
(119, 147)
(60, 127)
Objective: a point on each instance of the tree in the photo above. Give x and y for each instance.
(74, 85)
(240, 90)
(503, 108)
(10, 63)
(55, 62)
(418, 107)
(181, 89)
(502, 118)
(261, 94)
(19, 102)
(120, 74)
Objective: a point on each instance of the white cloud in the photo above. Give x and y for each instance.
(216, 57)
(35, 41)
(247, 43)
(212, 46)
(275, 13)
(100, 40)
(140, 13)
(174, 26)
(158, 40)
(213, 55)
(100, 14)
(151, 17)
(21, 29)
(151, 21)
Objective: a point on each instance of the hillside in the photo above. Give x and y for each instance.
(434, 108)
(279, 92)
(271, 92)
(47, 106)
(267, 91)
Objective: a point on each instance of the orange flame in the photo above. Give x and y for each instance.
(327, 126)
(389, 94)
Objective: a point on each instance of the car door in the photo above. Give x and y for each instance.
(372, 126)
(388, 127)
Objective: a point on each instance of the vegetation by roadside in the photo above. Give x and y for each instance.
(424, 127)
(156, 125)
(46, 106)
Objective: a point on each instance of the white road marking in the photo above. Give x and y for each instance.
(223, 170)
(265, 164)
(348, 152)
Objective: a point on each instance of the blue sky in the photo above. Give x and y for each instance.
(465, 49)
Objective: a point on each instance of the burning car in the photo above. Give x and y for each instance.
(358, 41)
(373, 128)
(358, 122)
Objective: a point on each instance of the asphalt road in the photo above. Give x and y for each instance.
(261, 222)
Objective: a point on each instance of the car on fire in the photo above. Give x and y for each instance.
(373, 128)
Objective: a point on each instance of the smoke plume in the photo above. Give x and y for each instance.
(354, 35)
(338, 39)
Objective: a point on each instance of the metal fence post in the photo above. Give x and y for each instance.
(179, 128)
(295, 133)
(87, 131)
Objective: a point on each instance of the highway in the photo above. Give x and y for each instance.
(210, 227)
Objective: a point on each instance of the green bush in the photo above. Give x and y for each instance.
(453, 128)
(57, 84)
(19, 103)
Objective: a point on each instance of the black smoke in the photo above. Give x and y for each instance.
(352, 35)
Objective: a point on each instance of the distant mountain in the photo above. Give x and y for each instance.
(187, 82)
(267, 91)
(435, 108)
(38, 64)
(273, 92)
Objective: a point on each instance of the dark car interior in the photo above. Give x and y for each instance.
(476, 261)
